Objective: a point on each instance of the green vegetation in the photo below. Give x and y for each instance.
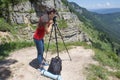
(62, 24)
(97, 73)
(110, 24)
(100, 71)
(31, 11)
(4, 26)
(7, 48)
(69, 45)
(117, 74)
(107, 58)
(65, 2)
(99, 39)
(53, 48)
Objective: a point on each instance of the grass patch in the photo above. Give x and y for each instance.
(97, 73)
(117, 74)
(6, 48)
(53, 47)
(61, 47)
(107, 58)
(104, 58)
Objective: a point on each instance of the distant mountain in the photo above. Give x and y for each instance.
(105, 11)
(108, 23)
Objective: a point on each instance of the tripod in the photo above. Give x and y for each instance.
(56, 40)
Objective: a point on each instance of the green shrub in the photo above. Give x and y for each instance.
(4, 26)
(65, 2)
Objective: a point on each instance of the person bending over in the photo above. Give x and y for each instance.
(44, 27)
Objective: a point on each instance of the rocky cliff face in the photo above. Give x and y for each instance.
(29, 12)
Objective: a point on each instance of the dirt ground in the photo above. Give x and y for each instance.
(22, 64)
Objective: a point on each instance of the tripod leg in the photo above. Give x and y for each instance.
(49, 42)
(64, 43)
(56, 39)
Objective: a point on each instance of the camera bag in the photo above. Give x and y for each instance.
(55, 66)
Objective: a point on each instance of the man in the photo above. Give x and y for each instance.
(44, 27)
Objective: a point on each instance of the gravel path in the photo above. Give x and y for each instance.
(22, 64)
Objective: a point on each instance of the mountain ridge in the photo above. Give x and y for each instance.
(105, 10)
(102, 21)
(105, 32)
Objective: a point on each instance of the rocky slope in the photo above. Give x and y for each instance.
(29, 12)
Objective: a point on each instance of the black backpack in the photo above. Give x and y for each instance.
(55, 66)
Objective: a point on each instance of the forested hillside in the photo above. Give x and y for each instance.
(106, 23)
(93, 27)
(112, 24)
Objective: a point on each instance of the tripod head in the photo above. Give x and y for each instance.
(54, 19)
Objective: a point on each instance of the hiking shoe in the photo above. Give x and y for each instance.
(40, 69)
(45, 64)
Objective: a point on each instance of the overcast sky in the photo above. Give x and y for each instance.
(97, 4)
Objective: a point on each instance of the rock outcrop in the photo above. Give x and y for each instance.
(29, 12)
